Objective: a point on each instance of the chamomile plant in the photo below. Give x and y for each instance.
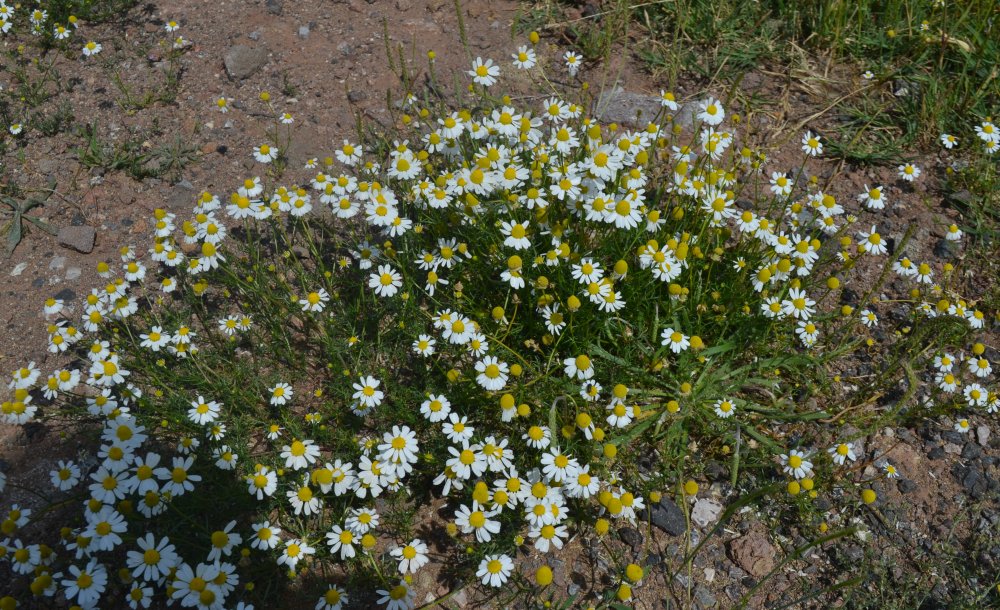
(501, 309)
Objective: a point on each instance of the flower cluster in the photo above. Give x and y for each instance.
(487, 313)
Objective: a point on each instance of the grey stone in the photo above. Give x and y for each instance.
(254, 35)
(73, 273)
(982, 434)
(303, 31)
(667, 516)
(461, 599)
(704, 597)
(345, 48)
(616, 105)
(18, 269)
(80, 239)
(275, 7)
(243, 61)
(57, 262)
(185, 184)
(705, 511)
(952, 448)
(686, 114)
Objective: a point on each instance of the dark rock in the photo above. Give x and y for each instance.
(953, 436)
(666, 516)
(80, 239)
(243, 61)
(591, 9)
(905, 486)
(38, 282)
(936, 453)
(971, 451)
(716, 471)
(631, 537)
(275, 7)
(66, 295)
(940, 592)
(356, 96)
(944, 249)
(973, 480)
(854, 553)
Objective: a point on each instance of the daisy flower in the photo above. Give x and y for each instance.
(386, 282)
(400, 597)
(300, 454)
(333, 599)
(436, 408)
(281, 393)
(424, 345)
(478, 521)
(711, 112)
(525, 58)
(909, 172)
(484, 73)
(871, 242)
(92, 48)
(724, 408)
(811, 144)
(796, 464)
(573, 62)
(223, 542)
(349, 154)
(492, 373)
(86, 584)
(873, 198)
(366, 392)
(341, 540)
(798, 304)
(204, 412)
(842, 452)
(538, 437)
(580, 367)
(66, 476)
(411, 556)
(295, 551)
(948, 141)
(677, 341)
(315, 301)
(668, 100)
(494, 570)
